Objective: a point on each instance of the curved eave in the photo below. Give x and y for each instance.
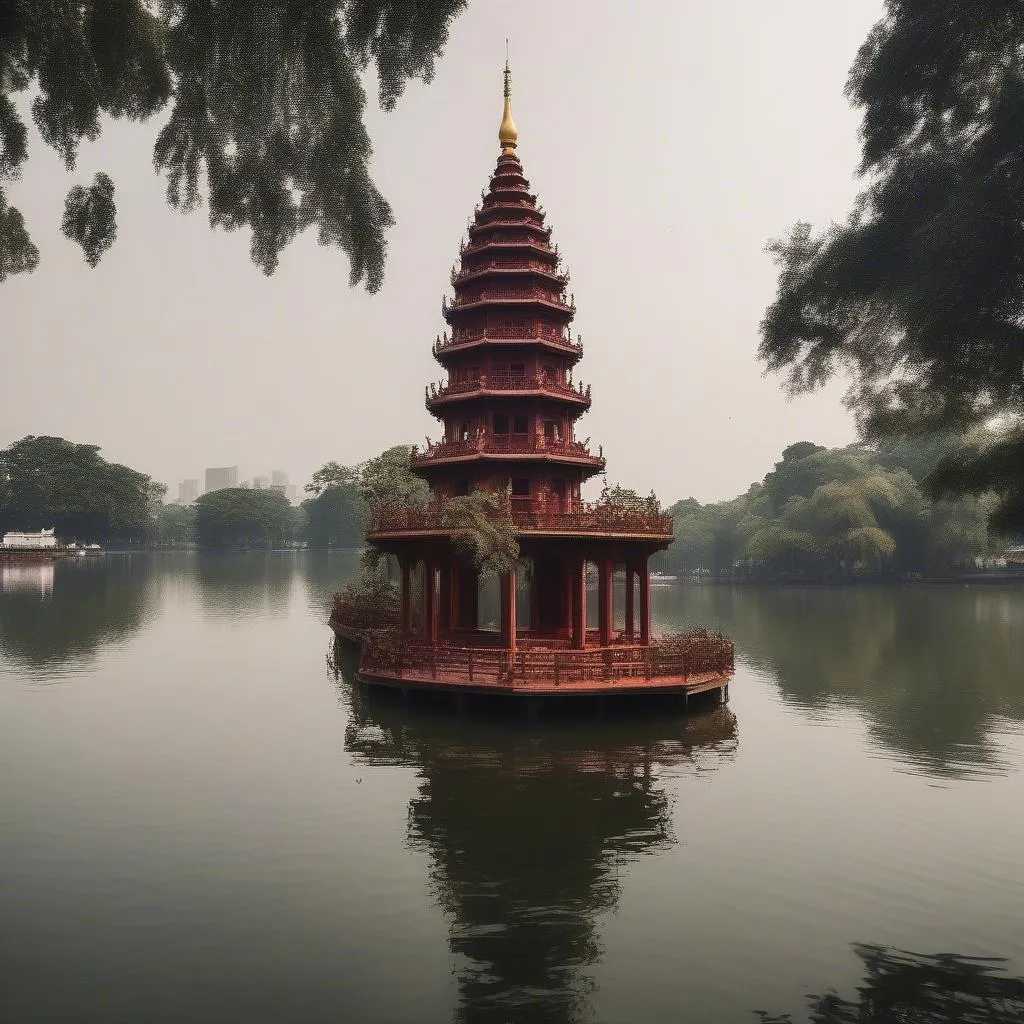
(494, 302)
(447, 401)
(505, 272)
(462, 347)
(594, 464)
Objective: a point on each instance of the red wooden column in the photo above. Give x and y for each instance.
(630, 612)
(605, 604)
(566, 606)
(645, 602)
(454, 597)
(430, 602)
(535, 588)
(405, 615)
(579, 604)
(508, 611)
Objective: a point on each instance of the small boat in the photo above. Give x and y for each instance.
(661, 579)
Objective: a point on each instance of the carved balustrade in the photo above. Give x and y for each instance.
(531, 332)
(512, 265)
(507, 382)
(533, 514)
(682, 657)
(506, 295)
(504, 444)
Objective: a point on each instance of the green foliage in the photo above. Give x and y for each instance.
(823, 513)
(48, 481)
(90, 217)
(387, 480)
(266, 110)
(337, 517)
(175, 526)
(339, 512)
(918, 293)
(483, 532)
(240, 517)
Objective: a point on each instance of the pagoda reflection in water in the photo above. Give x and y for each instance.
(498, 795)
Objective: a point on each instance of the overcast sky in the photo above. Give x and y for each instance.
(667, 139)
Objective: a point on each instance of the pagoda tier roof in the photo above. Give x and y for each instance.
(511, 448)
(515, 297)
(448, 351)
(499, 386)
(499, 268)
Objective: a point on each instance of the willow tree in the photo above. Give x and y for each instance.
(264, 102)
(918, 294)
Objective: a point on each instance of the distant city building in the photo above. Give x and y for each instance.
(188, 491)
(280, 477)
(291, 492)
(20, 539)
(260, 483)
(220, 477)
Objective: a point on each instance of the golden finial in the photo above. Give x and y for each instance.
(507, 134)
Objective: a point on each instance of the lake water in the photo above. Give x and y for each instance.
(202, 817)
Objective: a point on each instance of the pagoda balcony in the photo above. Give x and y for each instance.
(534, 516)
(530, 334)
(476, 229)
(472, 247)
(511, 266)
(514, 446)
(507, 385)
(507, 295)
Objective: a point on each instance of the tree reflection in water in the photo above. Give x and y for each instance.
(235, 586)
(916, 989)
(932, 668)
(528, 825)
(90, 603)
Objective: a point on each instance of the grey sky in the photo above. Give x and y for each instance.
(667, 141)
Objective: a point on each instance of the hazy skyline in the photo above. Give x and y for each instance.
(667, 141)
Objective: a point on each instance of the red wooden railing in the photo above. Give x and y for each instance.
(506, 382)
(532, 332)
(505, 295)
(509, 264)
(535, 515)
(501, 444)
(682, 656)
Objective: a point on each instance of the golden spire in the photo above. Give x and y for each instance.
(507, 134)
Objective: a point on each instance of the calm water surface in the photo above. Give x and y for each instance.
(202, 817)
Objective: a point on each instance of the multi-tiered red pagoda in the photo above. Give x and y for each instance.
(510, 408)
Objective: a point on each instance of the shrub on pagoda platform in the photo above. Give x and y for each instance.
(483, 533)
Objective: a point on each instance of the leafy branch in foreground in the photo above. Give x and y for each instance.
(266, 110)
(483, 533)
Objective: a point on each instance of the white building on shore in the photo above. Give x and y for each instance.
(21, 540)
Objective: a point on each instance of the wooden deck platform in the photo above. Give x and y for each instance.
(536, 673)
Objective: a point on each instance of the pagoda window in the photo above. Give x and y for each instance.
(465, 430)
(549, 374)
(520, 424)
(517, 370)
(461, 488)
(500, 423)
(520, 488)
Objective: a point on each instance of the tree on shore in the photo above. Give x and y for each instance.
(918, 294)
(241, 517)
(48, 481)
(831, 512)
(266, 111)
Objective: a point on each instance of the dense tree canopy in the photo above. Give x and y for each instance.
(920, 293)
(242, 517)
(49, 482)
(831, 512)
(265, 117)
